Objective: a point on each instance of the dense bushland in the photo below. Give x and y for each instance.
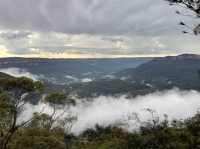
(50, 131)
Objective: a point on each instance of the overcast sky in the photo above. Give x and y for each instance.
(92, 28)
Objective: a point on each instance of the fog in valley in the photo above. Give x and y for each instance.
(129, 114)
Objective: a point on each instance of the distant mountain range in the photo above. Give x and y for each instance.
(158, 74)
(66, 71)
(95, 77)
(180, 71)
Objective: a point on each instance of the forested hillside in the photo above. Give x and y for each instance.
(180, 71)
(48, 131)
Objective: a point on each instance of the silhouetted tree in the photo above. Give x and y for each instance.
(192, 5)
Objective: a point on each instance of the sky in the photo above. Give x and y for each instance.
(93, 29)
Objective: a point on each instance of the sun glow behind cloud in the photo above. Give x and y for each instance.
(60, 45)
(4, 52)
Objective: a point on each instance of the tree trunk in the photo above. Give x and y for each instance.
(3, 145)
(68, 141)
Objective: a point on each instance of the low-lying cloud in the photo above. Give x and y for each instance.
(122, 112)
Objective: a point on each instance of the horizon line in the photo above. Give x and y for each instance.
(120, 57)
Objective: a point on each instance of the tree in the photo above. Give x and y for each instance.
(13, 93)
(192, 5)
(37, 138)
(59, 100)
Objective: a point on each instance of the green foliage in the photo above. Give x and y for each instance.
(38, 86)
(38, 138)
(59, 98)
(40, 121)
(177, 135)
(56, 98)
(13, 92)
(5, 112)
(24, 84)
(49, 131)
(115, 87)
(153, 134)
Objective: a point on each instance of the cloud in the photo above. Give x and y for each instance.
(59, 45)
(17, 72)
(16, 35)
(119, 111)
(93, 29)
(113, 17)
(86, 80)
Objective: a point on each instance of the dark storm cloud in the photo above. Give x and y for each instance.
(113, 17)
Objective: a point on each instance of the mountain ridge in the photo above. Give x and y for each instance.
(182, 68)
(158, 74)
